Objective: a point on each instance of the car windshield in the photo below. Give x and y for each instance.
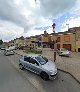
(42, 60)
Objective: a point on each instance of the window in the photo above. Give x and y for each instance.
(45, 59)
(27, 59)
(42, 60)
(67, 38)
(58, 39)
(33, 61)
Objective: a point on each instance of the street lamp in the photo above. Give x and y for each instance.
(53, 26)
(68, 26)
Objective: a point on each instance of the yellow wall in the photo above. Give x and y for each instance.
(44, 39)
(71, 41)
(33, 39)
(77, 45)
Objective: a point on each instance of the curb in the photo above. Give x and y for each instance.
(69, 74)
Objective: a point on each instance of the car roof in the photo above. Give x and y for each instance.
(8, 50)
(31, 55)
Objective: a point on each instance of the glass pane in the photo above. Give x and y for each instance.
(33, 61)
(27, 59)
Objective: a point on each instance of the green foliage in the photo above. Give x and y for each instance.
(33, 51)
(52, 47)
(1, 42)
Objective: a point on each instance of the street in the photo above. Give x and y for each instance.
(11, 80)
(15, 80)
(74, 57)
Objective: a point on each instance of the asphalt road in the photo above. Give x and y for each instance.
(11, 80)
(75, 57)
(64, 82)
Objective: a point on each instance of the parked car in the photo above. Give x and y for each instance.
(39, 65)
(8, 52)
(12, 48)
(3, 48)
(63, 52)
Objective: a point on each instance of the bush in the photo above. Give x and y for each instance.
(33, 51)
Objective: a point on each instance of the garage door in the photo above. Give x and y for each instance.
(58, 46)
(78, 49)
(67, 46)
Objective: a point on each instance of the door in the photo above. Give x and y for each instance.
(58, 46)
(78, 49)
(67, 46)
(27, 62)
(34, 66)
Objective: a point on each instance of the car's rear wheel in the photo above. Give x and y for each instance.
(44, 76)
(21, 66)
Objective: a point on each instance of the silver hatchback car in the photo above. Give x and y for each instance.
(8, 52)
(39, 65)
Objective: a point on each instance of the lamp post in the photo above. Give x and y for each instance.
(68, 26)
(53, 26)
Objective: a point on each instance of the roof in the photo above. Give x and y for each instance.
(31, 55)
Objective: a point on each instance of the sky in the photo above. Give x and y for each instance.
(32, 17)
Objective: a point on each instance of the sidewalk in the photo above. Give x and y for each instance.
(20, 52)
(72, 67)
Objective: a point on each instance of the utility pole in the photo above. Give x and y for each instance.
(53, 26)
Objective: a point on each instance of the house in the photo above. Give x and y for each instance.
(76, 32)
(66, 40)
(36, 41)
(19, 41)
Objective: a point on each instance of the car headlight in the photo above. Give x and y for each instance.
(53, 72)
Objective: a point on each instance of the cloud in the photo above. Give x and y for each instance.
(22, 12)
(74, 19)
(21, 17)
(9, 31)
(73, 22)
(11, 11)
(55, 7)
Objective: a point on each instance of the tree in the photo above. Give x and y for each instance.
(53, 26)
(22, 38)
(1, 42)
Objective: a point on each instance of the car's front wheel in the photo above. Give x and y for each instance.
(44, 76)
(21, 66)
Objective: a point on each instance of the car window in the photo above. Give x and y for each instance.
(33, 61)
(42, 60)
(63, 49)
(45, 59)
(27, 59)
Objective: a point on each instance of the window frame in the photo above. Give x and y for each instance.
(27, 60)
(35, 62)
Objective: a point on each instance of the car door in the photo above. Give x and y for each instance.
(27, 62)
(34, 65)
